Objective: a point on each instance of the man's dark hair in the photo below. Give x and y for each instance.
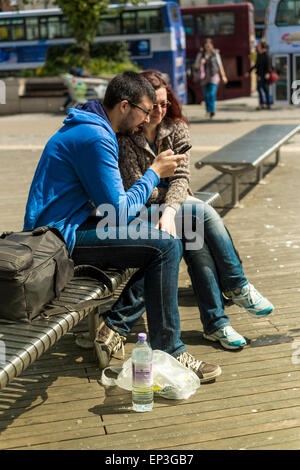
(263, 43)
(129, 86)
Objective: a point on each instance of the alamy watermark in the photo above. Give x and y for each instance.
(143, 223)
(2, 92)
(296, 92)
(296, 353)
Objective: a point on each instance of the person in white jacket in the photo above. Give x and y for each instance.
(209, 64)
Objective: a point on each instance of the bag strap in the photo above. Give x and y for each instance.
(48, 228)
(36, 232)
(83, 271)
(87, 270)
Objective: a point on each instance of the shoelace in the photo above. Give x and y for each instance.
(227, 330)
(253, 296)
(117, 343)
(187, 360)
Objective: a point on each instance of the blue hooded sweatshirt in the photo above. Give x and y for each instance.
(79, 171)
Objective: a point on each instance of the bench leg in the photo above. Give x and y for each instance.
(260, 173)
(93, 322)
(277, 157)
(235, 190)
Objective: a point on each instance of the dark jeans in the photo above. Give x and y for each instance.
(263, 89)
(159, 261)
(213, 268)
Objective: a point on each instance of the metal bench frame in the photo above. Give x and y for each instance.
(236, 168)
(26, 342)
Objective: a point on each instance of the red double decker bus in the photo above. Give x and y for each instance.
(231, 27)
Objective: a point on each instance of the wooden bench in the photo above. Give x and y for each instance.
(248, 152)
(41, 87)
(21, 344)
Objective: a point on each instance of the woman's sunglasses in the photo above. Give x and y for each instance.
(163, 105)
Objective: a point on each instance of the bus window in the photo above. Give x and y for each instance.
(32, 28)
(4, 30)
(54, 27)
(43, 28)
(174, 14)
(109, 24)
(129, 22)
(149, 21)
(188, 21)
(66, 31)
(17, 29)
(288, 13)
(216, 24)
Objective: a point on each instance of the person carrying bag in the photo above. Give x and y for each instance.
(208, 69)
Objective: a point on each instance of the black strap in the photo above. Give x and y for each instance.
(83, 271)
(86, 270)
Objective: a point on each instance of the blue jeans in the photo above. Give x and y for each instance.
(210, 93)
(214, 268)
(159, 261)
(263, 89)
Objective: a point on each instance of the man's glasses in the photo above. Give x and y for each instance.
(163, 104)
(146, 111)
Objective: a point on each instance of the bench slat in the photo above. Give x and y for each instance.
(27, 342)
(253, 146)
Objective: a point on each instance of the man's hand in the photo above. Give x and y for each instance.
(166, 163)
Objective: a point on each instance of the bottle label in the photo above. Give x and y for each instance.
(142, 374)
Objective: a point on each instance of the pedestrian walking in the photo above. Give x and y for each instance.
(208, 65)
(263, 67)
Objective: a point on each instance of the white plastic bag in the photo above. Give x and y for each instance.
(171, 379)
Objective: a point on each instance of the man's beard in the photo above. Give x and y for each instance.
(138, 128)
(126, 130)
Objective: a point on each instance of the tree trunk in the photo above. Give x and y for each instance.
(85, 52)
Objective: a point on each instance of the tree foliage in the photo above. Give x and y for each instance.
(83, 17)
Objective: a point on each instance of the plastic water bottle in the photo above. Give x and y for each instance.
(142, 378)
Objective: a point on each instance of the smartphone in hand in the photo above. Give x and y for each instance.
(185, 149)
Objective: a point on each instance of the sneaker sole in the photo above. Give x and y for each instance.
(261, 314)
(223, 343)
(212, 376)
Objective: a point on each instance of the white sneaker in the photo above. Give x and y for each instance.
(228, 337)
(250, 299)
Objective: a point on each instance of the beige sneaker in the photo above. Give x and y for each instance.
(205, 372)
(107, 343)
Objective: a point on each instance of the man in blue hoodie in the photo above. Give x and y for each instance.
(77, 174)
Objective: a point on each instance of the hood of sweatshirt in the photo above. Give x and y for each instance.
(91, 112)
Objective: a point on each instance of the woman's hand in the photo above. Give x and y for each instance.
(224, 79)
(167, 221)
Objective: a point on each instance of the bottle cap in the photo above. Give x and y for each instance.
(142, 336)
